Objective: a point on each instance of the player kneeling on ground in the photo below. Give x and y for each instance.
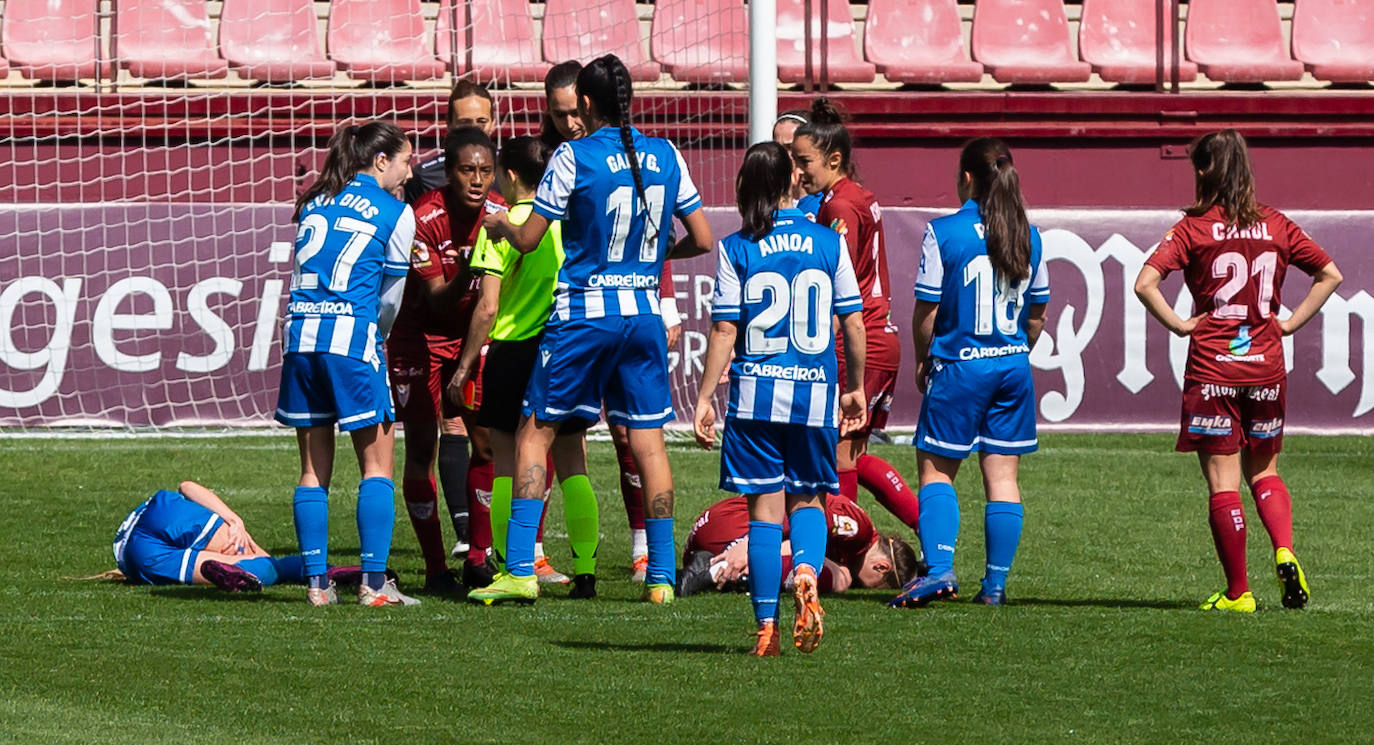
(190, 536)
(856, 554)
(782, 278)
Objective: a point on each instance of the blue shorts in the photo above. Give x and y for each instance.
(319, 389)
(166, 535)
(622, 361)
(765, 457)
(983, 405)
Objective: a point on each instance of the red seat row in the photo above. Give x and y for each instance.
(694, 41)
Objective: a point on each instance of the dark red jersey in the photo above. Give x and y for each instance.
(853, 212)
(1235, 276)
(444, 236)
(851, 532)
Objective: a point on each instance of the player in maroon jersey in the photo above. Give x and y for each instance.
(856, 554)
(821, 148)
(1234, 253)
(427, 341)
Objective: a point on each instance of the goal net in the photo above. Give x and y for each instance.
(150, 167)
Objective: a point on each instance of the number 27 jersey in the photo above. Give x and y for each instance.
(783, 291)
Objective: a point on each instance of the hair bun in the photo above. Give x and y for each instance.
(824, 111)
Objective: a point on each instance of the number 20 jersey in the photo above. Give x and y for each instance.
(783, 291)
(613, 246)
(1235, 277)
(344, 245)
(980, 316)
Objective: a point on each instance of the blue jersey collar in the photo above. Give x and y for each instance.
(789, 212)
(366, 179)
(613, 132)
(970, 206)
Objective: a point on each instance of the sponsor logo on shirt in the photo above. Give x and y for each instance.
(319, 308)
(1267, 428)
(784, 372)
(979, 353)
(846, 526)
(1213, 424)
(1240, 344)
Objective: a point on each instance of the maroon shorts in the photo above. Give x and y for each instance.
(1221, 419)
(419, 371)
(879, 386)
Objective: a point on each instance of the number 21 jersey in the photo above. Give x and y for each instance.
(1235, 276)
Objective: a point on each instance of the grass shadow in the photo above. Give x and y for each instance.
(205, 592)
(644, 646)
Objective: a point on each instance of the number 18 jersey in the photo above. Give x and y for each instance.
(981, 315)
(344, 245)
(783, 292)
(614, 240)
(1235, 276)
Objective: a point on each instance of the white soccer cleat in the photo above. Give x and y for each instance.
(388, 595)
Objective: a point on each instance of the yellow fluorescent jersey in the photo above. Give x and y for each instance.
(527, 281)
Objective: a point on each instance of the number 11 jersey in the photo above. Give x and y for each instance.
(782, 291)
(1235, 276)
(614, 238)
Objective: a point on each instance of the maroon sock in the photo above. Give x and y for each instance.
(1227, 519)
(422, 504)
(480, 474)
(849, 484)
(888, 487)
(631, 488)
(1275, 507)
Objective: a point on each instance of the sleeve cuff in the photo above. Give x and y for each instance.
(930, 296)
(687, 209)
(547, 211)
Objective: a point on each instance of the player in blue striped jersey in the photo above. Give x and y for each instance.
(782, 278)
(616, 192)
(352, 255)
(981, 292)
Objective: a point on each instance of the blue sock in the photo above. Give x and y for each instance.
(658, 532)
(262, 567)
(310, 506)
(765, 567)
(1002, 528)
(939, 526)
(521, 535)
(290, 569)
(808, 538)
(376, 521)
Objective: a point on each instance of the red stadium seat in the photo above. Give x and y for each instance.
(503, 43)
(577, 29)
(165, 40)
(380, 41)
(843, 63)
(1335, 39)
(702, 41)
(918, 41)
(1120, 39)
(274, 41)
(1238, 41)
(1026, 42)
(52, 40)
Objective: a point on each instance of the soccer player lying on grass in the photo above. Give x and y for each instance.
(856, 554)
(190, 536)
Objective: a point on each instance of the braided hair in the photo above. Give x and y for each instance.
(606, 82)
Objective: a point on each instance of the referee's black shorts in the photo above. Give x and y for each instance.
(505, 376)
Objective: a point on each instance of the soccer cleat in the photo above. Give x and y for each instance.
(808, 627)
(695, 576)
(639, 568)
(460, 549)
(766, 643)
(583, 587)
(1243, 604)
(991, 595)
(1291, 579)
(388, 595)
(322, 596)
(659, 594)
(547, 574)
(924, 590)
(444, 583)
(507, 588)
(229, 577)
(478, 575)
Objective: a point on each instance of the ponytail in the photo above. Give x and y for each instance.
(1224, 178)
(764, 179)
(996, 186)
(352, 149)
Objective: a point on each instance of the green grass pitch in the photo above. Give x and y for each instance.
(1102, 644)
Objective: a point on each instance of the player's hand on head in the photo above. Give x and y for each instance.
(704, 425)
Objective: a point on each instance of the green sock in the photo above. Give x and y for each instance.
(584, 526)
(501, 490)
